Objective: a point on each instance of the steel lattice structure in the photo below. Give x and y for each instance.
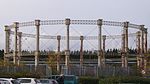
(75, 22)
(142, 38)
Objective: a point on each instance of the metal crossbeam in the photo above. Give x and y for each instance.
(52, 22)
(75, 22)
(134, 26)
(113, 23)
(84, 22)
(74, 37)
(24, 24)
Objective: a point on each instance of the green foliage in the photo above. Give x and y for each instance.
(88, 80)
(1, 54)
(128, 79)
(19, 74)
(114, 80)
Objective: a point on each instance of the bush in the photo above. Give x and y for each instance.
(128, 79)
(19, 74)
(88, 80)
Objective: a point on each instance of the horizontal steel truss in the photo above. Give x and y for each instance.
(73, 37)
(75, 22)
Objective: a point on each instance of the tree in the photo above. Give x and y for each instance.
(52, 59)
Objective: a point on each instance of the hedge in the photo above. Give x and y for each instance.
(114, 80)
(88, 80)
(129, 79)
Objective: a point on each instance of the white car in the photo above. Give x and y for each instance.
(4, 82)
(48, 81)
(10, 80)
(28, 81)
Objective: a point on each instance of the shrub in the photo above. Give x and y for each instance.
(127, 79)
(88, 80)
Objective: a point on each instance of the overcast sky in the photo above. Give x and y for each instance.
(135, 11)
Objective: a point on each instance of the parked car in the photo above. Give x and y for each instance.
(48, 81)
(4, 82)
(10, 80)
(28, 81)
(67, 79)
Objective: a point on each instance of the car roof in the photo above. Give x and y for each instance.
(46, 79)
(7, 78)
(26, 78)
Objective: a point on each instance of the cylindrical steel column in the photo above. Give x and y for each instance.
(37, 52)
(123, 51)
(145, 40)
(67, 22)
(81, 50)
(15, 57)
(126, 43)
(58, 53)
(19, 47)
(142, 47)
(99, 23)
(104, 40)
(138, 48)
(145, 50)
(142, 39)
(7, 43)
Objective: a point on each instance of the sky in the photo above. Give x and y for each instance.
(134, 11)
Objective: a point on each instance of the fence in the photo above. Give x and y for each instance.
(86, 70)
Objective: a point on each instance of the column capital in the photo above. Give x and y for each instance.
(37, 22)
(126, 24)
(104, 37)
(6, 28)
(99, 22)
(142, 27)
(16, 24)
(145, 30)
(19, 34)
(138, 33)
(58, 37)
(81, 37)
(67, 21)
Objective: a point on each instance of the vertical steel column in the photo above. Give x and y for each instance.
(123, 51)
(7, 43)
(99, 23)
(19, 47)
(145, 40)
(81, 50)
(58, 53)
(138, 48)
(37, 52)
(67, 22)
(15, 57)
(81, 54)
(142, 47)
(126, 43)
(104, 41)
(142, 39)
(145, 49)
